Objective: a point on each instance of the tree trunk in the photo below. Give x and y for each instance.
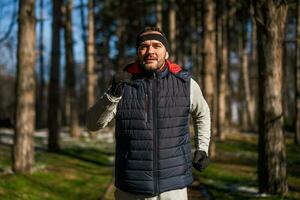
(23, 150)
(230, 15)
(54, 89)
(181, 37)
(246, 85)
(122, 35)
(105, 77)
(194, 43)
(253, 67)
(270, 18)
(218, 61)
(223, 78)
(249, 109)
(66, 107)
(243, 121)
(209, 64)
(172, 29)
(41, 112)
(90, 56)
(70, 73)
(84, 41)
(297, 78)
(159, 9)
(253, 36)
(198, 58)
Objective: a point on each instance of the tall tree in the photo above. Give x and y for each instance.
(70, 72)
(209, 63)
(270, 18)
(194, 21)
(41, 111)
(253, 65)
(223, 73)
(84, 31)
(23, 150)
(158, 12)
(121, 33)
(182, 19)
(172, 28)
(231, 9)
(253, 35)
(5, 35)
(90, 56)
(248, 108)
(297, 78)
(54, 94)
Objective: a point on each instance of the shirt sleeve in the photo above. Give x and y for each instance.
(102, 112)
(201, 117)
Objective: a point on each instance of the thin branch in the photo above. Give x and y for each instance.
(11, 25)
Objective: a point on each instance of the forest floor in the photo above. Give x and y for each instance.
(84, 170)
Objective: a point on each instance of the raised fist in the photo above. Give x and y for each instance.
(118, 81)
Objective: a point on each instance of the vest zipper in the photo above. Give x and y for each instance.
(146, 106)
(155, 143)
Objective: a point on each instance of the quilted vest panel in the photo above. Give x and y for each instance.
(153, 150)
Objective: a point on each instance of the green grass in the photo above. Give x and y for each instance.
(5, 157)
(77, 172)
(236, 167)
(83, 170)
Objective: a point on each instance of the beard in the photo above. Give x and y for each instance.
(152, 63)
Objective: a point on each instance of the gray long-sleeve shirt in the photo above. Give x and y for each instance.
(105, 109)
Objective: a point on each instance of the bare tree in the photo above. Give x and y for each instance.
(54, 94)
(159, 9)
(172, 27)
(122, 35)
(270, 17)
(70, 73)
(253, 69)
(248, 110)
(297, 78)
(209, 63)
(223, 73)
(253, 35)
(41, 101)
(12, 23)
(194, 21)
(90, 56)
(23, 150)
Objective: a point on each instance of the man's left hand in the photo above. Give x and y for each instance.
(200, 161)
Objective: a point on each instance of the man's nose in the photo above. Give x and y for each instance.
(150, 49)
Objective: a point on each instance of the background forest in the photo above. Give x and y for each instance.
(58, 58)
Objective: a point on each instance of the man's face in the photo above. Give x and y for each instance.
(152, 54)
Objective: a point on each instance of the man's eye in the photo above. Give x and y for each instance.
(142, 47)
(157, 46)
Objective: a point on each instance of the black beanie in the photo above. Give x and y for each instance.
(152, 36)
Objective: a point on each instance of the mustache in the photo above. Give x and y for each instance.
(150, 57)
(144, 61)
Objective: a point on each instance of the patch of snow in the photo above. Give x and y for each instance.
(7, 131)
(6, 171)
(6, 140)
(247, 189)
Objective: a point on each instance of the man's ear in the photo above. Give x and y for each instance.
(167, 55)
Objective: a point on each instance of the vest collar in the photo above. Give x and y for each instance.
(135, 68)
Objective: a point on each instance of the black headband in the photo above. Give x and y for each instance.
(152, 36)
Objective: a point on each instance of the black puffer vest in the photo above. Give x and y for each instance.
(153, 150)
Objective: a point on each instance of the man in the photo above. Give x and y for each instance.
(152, 107)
